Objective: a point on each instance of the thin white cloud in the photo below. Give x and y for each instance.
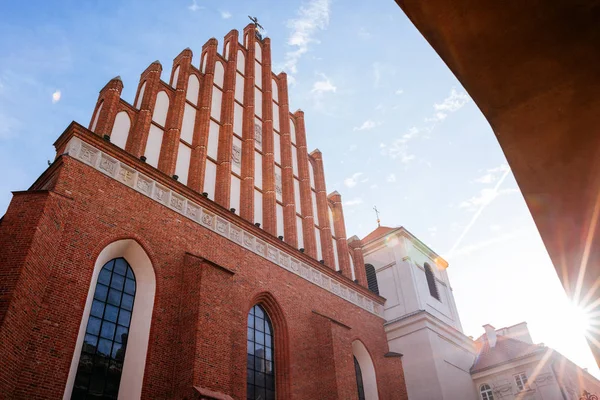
(194, 6)
(56, 96)
(475, 247)
(367, 125)
(225, 14)
(484, 201)
(354, 202)
(399, 91)
(312, 17)
(323, 86)
(454, 102)
(352, 147)
(398, 149)
(319, 90)
(485, 197)
(391, 178)
(493, 174)
(354, 180)
(487, 178)
(374, 186)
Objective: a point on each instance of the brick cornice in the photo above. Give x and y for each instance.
(83, 145)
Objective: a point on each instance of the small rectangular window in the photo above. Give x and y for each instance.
(521, 381)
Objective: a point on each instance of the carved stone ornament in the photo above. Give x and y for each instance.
(126, 175)
(222, 226)
(161, 194)
(335, 288)
(88, 154)
(295, 266)
(305, 272)
(272, 254)
(192, 211)
(344, 292)
(278, 186)
(144, 185)
(207, 219)
(353, 297)
(235, 234)
(177, 203)
(316, 277)
(107, 165)
(261, 247)
(236, 156)
(258, 134)
(248, 240)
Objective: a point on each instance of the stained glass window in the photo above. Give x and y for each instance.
(103, 352)
(260, 364)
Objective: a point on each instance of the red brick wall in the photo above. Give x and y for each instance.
(205, 286)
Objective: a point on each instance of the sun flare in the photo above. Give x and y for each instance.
(579, 318)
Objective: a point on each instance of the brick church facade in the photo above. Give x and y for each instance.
(186, 246)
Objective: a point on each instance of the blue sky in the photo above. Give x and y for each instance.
(396, 129)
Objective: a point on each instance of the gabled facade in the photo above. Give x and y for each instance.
(510, 366)
(184, 246)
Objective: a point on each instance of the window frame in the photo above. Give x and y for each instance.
(431, 282)
(371, 274)
(521, 381)
(360, 387)
(267, 334)
(104, 299)
(486, 390)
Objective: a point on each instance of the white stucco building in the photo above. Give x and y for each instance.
(440, 361)
(510, 366)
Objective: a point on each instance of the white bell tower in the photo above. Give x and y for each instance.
(422, 321)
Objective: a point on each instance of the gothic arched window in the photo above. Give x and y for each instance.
(433, 290)
(359, 380)
(260, 364)
(103, 351)
(486, 392)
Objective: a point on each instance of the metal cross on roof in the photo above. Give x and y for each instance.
(257, 27)
(255, 22)
(377, 213)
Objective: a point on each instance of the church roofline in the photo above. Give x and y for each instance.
(401, 229)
